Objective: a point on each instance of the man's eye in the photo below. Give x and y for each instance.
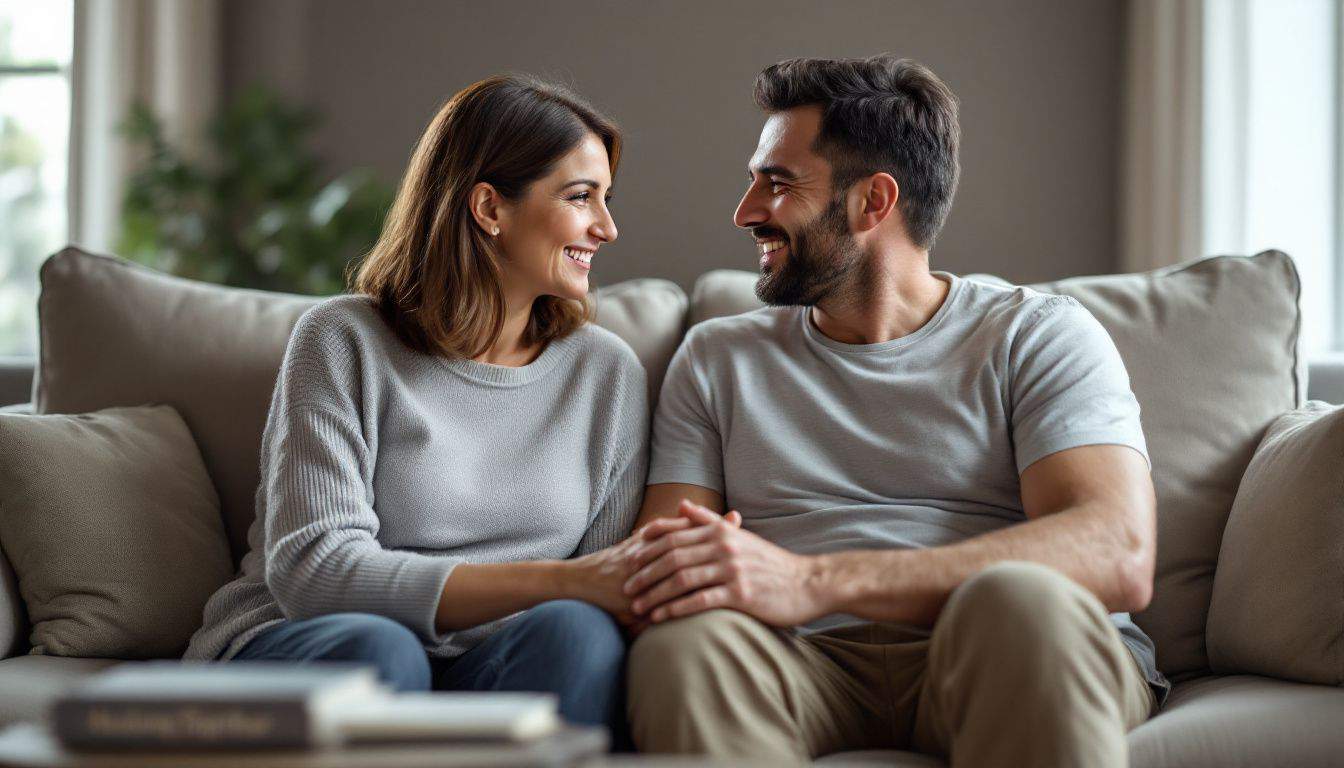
(776, 187)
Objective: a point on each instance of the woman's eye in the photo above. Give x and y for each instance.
(580, 196)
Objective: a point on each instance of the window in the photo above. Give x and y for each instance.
(1273, 138)
(36, 40)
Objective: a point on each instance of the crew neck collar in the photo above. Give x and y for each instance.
(814, 333)
(556, 352)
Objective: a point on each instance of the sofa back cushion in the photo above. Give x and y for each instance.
(114, 333)
(1211, 350)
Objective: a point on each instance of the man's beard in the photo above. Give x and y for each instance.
(822, 259)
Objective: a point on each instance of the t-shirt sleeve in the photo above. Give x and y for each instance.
(687, 446)
(1069, 387)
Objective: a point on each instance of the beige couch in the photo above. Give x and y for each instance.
(1211, 348)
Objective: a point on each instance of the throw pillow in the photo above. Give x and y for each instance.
(112, 527)
(1278, 593)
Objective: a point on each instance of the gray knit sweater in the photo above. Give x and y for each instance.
(383, 468)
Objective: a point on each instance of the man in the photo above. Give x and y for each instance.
(942, 509)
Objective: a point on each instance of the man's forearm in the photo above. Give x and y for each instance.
(911, 586)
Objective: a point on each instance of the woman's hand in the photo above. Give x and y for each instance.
(597, 578)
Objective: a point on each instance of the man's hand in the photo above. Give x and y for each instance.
(599, 577)
(716, 564)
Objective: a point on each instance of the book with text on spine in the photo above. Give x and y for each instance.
(173, 706)
(235, 705)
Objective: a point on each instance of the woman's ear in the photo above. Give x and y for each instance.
(485, 204)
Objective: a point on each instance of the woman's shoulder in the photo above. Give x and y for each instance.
(347, 321)
(606, 356)
(599, 344)
(338, 314)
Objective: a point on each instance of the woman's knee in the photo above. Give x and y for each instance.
(566, 625)
(576, 641)
(388, 646)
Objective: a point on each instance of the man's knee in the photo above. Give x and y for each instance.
(1019, 610)
(1013, 591)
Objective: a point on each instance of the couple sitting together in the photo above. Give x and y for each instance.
(940, 494)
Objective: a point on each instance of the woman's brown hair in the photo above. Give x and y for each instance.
(434, 275)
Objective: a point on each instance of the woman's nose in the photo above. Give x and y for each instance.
(605, 228)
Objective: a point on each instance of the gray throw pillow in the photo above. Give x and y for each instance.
(113, 529)
(1278, 594)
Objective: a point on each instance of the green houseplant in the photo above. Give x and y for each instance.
(260, 213)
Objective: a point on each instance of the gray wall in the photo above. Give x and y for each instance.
(1039, 83)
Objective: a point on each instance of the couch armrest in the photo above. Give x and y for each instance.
(1325, 377)
(13, 616)
(16, 379)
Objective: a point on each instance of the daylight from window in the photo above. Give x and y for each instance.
(35, 47)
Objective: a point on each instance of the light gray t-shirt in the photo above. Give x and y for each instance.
(919, 441)
(383, 468)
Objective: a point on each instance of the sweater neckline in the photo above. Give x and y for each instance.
(557, 351)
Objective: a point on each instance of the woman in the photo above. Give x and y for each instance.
(441, 440)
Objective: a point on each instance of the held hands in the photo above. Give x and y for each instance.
(713, 563)
(598, 578)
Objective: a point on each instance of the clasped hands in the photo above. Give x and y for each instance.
(698, 561)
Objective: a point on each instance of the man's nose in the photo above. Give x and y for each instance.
(750, 212)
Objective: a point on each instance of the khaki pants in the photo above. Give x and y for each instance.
(1023, 668)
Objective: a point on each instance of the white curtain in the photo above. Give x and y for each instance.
(165, 53)
(1161, 206)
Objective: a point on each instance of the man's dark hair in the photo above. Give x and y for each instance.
(880, 114)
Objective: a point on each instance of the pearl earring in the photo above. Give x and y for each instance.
(495, 231)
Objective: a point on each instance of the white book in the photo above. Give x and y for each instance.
(443, 716)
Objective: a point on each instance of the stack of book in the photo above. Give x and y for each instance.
(173, 709)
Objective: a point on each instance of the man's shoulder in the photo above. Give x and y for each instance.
(758, 325)
(1007, 307)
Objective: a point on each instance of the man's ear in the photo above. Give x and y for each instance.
(486, 207)
(878, 195)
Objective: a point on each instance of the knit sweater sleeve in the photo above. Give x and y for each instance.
(625, 486)
(322, 554)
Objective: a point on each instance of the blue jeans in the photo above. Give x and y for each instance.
(565, 647)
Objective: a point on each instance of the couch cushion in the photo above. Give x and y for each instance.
(1211, 350)
(113, 528)
(117, 333)
(13, 617)
(1278, 607)
(1242, 721)
(31, 683)
(650, 315)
